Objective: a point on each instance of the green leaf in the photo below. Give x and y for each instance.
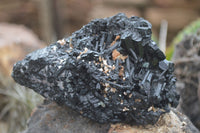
(188, 30)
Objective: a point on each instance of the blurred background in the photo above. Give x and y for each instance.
(27, 25)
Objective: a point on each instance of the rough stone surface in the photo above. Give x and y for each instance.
(172, 122)
(51, 118)
(109, 71)
(187, 70)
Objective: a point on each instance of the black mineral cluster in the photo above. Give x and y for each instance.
(109, 71)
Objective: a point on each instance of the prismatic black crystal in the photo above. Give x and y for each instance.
(109, 71)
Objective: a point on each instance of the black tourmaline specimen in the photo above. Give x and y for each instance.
(108, 71)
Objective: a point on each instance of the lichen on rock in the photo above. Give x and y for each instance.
(109, 71)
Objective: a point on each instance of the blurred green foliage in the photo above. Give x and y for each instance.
(188, 30)
(16, 105)
(154, 38)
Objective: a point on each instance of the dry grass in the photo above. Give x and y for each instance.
(16, 104)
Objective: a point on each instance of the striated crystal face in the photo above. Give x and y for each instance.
(109, 71)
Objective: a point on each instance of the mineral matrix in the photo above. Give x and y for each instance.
(109, 71)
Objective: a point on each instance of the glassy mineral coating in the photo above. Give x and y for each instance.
(109, 71)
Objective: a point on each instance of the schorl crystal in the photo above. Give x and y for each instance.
(109, 71)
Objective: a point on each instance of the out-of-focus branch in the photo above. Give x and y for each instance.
(163, 35)
(46, 20)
